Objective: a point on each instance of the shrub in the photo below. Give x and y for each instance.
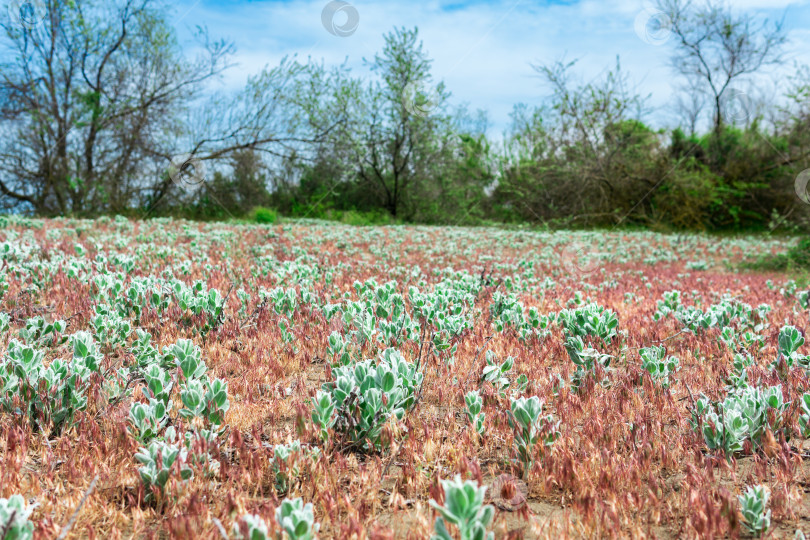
(264, 216)
(366, 396)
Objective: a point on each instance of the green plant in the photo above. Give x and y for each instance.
(474, 404)
(147, 420)
(496, 373)
(790, 340)
(742, 415)
(285, 463)
(264, 216)
(205, 399)
(654, 362)
(255, 527)
(296, 519)
(752, 505)
(14, 521)
(367, 395)
(39, 332)
(589, 320)
(463, 507)
(158, 460)
(586, 360)
(804, 418)
(530, 427)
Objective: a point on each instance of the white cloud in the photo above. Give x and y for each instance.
(482, 50)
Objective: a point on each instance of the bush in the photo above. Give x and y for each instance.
(796, 258)
(266, 216)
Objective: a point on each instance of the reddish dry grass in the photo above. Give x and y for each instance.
(627, 463)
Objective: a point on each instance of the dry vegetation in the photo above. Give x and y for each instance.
(617, 454)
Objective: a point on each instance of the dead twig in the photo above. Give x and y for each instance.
(72, 520)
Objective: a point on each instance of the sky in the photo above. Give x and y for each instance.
(482, 50)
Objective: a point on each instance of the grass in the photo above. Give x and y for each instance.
(274, 314)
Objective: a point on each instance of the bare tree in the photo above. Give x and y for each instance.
(98, 96)
(690, 105)
(717, 46)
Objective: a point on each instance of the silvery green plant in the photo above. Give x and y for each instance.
(86, 355)
(323, 410)
(47, 395)
(496, 373)
(670, 303)
(39, 332)
(159, 384)
(147, 420)
(739, 377)
(474, 405)
(654, 360)
(110, 328)
(157, 461)
(463, 507)
(205, 399)
(531, 427)
(297, 519)
(366, 396)
(789, 342)
(285, 463)
(741, 416)
(3, 284)
(339, 349)
(804, 418)
(753, 504)
(14, 520)
(255, 526)
(585, 358)
(589, 320)
(142, 349)
(187, 356)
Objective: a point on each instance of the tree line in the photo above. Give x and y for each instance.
(102, 112)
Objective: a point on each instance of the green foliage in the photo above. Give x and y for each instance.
(655, 362)
(586, 359)
(804, 418)
(286, 463)
(53, 395)
(254, 525)
(14, 519)
(263, 216)
(743, 415)
(474, 404)
(530, 427)
(296, 519)
(366, 396)
(158, 460)
(589, 320)
(795, 259)
(752, 505)
(463, 507)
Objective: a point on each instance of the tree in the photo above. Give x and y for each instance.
(717, 46)
(99, 100)
(585, 158)
(401, 127)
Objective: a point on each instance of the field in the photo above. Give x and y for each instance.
(172, 379)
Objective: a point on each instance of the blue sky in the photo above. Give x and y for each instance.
(482, 50)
